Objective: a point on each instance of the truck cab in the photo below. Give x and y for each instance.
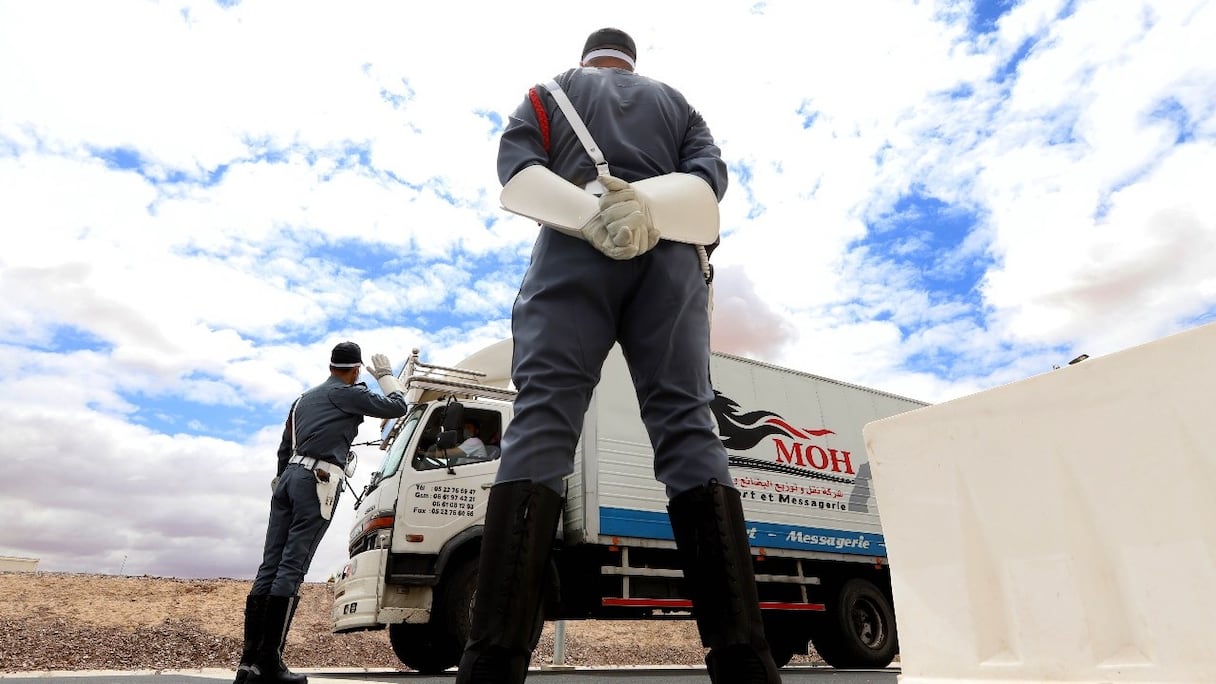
(421, 514)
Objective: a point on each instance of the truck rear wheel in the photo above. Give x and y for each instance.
(859, 629)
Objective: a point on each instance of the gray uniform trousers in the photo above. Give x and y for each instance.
(574, 303)
(293, 533)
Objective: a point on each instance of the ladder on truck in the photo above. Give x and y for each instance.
(426, 381)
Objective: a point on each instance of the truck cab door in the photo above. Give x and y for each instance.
(441, 497)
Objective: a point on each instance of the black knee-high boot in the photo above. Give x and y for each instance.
(521, 520)
(255, 606)
(711, 535)
(268, 667)
(293, 603)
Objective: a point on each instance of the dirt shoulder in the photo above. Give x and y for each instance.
(56, 621)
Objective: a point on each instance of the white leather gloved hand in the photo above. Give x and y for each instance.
(383, 370)
(274, 484)
(381, 366)
(623, 228)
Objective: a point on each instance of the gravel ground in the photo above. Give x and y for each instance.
(55, 621)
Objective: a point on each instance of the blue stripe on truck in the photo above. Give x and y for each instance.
(628, 522)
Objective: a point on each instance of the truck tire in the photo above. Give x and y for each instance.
(454, 606)
(419, 647)
(437, 645)
(859, 630)
(782, 652)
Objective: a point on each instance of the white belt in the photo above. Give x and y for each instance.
(306, 461)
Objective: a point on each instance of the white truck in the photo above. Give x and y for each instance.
(796, 454)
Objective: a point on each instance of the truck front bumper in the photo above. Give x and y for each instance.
(362, 600)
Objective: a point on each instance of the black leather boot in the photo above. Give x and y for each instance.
(255, 606)
(521, 520)
(268, 665)
(711, 535)
(292, 604)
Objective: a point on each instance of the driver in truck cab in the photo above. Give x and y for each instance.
(471, 449)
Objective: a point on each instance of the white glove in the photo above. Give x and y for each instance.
(274, 484)
(381, 366)
(623, 228)
(389, 384)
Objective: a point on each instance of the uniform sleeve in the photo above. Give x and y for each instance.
(357, 399)
(699, 155)
(284, 454)
(522, 144)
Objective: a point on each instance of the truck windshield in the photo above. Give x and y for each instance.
(392, 460)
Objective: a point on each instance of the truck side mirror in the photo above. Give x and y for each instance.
(453, 421)
(448, 439)
(453, 417)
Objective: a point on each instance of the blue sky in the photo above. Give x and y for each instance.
(199, 199)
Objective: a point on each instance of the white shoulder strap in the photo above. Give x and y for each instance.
(293, 424)
(580, 128)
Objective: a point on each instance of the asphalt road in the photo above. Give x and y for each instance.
(789, 675)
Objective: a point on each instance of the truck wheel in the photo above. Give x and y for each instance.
(454, 606)
(423, 648)
(859, 630)
(437, 645)
(782, 652)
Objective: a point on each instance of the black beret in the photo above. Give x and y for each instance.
(611, 38)
(346, 355)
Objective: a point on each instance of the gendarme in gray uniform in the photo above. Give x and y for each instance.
(326, 420)
(575, 302)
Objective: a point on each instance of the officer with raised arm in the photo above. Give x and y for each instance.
(312, 463)
(599, 275)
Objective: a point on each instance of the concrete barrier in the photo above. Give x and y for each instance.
(1061, 528)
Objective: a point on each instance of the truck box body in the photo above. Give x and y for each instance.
(796, 455)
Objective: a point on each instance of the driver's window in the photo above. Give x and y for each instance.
(426, 457)
(475, 425)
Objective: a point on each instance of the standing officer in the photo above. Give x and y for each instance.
(312, 460)
(613, 281)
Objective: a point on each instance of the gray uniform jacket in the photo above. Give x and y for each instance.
(328, 417)
(644, 127)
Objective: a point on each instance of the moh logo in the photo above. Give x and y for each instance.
(794, 450)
